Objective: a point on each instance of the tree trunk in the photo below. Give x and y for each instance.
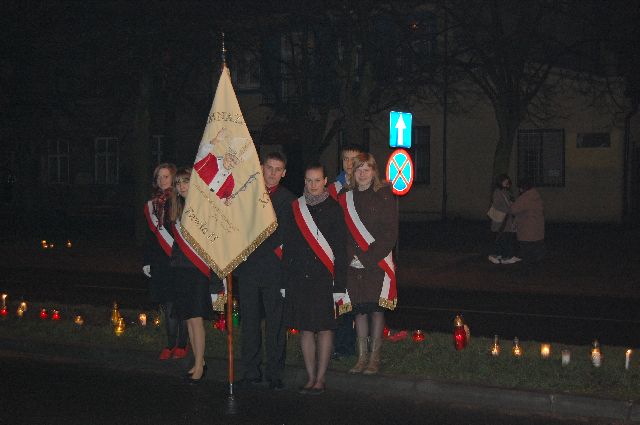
(508, 124)
(142, 152)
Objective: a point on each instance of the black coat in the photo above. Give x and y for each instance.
(263, 267)
(300, 261)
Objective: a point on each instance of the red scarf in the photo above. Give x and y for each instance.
(158, 201)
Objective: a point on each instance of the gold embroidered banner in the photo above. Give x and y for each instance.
(228, 212)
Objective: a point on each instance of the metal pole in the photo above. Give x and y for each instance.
(230, 330)
(444, 119)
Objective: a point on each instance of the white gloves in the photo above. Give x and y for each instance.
(342, 300)
(282, 291)
(146, 270)
(342, 296)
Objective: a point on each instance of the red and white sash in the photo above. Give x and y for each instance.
(334, 189)
(188, 251)
(312, 234)
(362, 236)
(162, 233)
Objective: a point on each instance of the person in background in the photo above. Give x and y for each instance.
(348, 155)
(260, 283)
(372, 219)
(528, 210)
(193, 281)
(314, 261)
(157, 256)
(504, 230)
(345, 339)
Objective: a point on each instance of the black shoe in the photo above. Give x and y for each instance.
(194, 381)
(276, 384)
(188, 374)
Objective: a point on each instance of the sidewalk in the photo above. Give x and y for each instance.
(555, 404)
(595, 260)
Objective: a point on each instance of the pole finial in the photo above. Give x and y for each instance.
(224, 52)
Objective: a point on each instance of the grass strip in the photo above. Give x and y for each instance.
(435, 358)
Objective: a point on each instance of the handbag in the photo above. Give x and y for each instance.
(496, 215)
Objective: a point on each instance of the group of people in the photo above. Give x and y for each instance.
(517, 223)
(178, 280)
(330, 255)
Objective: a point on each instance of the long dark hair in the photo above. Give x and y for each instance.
(501, 178)
(177, 202)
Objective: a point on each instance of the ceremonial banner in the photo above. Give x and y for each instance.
(228, 212)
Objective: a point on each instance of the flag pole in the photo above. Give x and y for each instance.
(229, 278)
(230, 330)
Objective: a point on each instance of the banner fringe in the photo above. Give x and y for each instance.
(222, 273)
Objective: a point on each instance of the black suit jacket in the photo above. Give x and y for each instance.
(263, 267)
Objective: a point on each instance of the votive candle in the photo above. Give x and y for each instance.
(627, 359)
(545, 351)
(566, 357)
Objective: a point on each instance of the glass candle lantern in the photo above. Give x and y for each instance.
(517, 349)
(545, 350)
(495, 347)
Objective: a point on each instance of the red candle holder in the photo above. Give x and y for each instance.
(43, 314)
(418, 336)
(460, 334)
(386, 332)
(55, 315)
(3, 312)
(293, 331)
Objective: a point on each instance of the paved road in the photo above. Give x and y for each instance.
(40, 392)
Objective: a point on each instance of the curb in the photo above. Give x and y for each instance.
(504, 399)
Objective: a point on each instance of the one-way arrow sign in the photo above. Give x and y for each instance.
(400, 129)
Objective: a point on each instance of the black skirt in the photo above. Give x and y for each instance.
(161, 283)
(192, 294)
(309, 306)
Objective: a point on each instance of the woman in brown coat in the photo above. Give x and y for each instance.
(372, 219)
(528, 210)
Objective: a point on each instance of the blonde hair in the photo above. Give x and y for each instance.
(359, 161)
(169, 166)
(177, 202)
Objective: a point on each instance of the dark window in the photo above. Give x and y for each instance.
(593, 140)
(58, 162)
(541, 157)
(246, 71)
(157, 148)
(107, 158)
(421, 146)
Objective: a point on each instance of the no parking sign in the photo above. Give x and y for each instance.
(400, 172)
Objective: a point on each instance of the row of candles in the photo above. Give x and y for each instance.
(50, 245)
(461, 333)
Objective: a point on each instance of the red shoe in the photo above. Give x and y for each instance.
(180, 353)
(166, 353)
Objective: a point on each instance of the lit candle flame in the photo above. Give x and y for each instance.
(545, 351)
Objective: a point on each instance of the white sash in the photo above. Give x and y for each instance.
(312, 234)
(364, 238)
(162, 233)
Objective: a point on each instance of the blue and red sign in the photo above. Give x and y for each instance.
(400, 172)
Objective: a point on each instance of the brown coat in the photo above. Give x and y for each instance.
(529, 212)
(378, 212)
